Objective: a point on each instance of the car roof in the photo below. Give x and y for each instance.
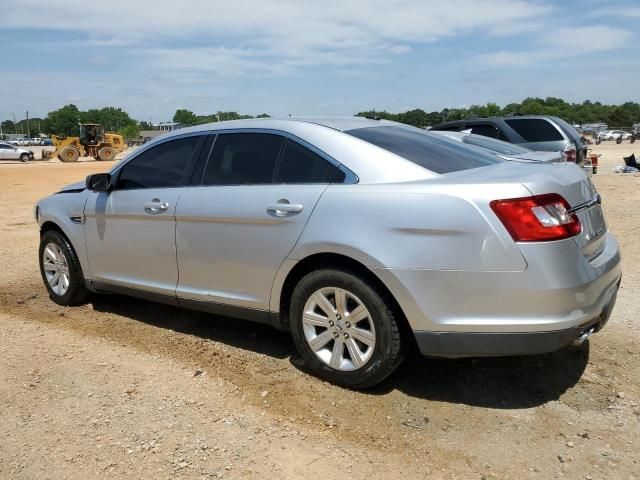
(341, 124)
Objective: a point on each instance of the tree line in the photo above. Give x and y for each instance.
(64, 121)
(615, 116)
(188, 118)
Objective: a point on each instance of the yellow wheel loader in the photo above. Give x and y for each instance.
(92, 142)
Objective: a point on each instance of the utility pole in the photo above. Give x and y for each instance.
(39, 130)
(15, 127)
(28, 133)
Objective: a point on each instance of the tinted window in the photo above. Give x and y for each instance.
(298, 164)
(485, 130)
(428, 151)
(162, 166)
(535, 129)
(450, 128)
(4, 146)
(243, 158)
(494, 145)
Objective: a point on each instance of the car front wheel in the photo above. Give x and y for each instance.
(344, 330)
(61, 270)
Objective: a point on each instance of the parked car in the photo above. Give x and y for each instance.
(11, 152)
(615, 135)
(537, 132)
(504, 149)
(360, 237)
(46, 142)
(22, 142)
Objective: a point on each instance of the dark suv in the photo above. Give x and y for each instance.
(536, 132)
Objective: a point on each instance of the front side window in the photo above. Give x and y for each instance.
(164, 165)
(535, 129)
(438, 155)
(298, 164)
(243, 159)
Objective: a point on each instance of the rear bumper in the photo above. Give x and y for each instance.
(553, 301)
(460, 344)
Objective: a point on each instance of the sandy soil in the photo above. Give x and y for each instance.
(126, 388)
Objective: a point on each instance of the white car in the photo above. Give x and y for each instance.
(614, 135)
(9, 152)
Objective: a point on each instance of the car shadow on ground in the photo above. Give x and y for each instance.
(505, 383)
(234, 332)
(502, 382)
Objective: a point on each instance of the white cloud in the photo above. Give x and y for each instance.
(562, 43)
(274, 35)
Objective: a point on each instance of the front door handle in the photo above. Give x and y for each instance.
(155, 206)
(283, 208)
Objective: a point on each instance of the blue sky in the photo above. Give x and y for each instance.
(299, 57)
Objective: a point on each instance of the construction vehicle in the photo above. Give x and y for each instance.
(92, 142)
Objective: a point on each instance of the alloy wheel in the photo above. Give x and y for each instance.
(339, 328)
(56, 269)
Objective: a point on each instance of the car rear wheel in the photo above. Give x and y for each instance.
(61, 270)
(344, 330)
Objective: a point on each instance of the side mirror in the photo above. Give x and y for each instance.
(99, 182)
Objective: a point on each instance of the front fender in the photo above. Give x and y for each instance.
(66, 211)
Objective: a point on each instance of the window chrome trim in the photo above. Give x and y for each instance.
(154, 143)
(350, 177)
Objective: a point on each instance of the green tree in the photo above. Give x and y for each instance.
(8, 127)
(64, 121)
(185, 117)
(130, 131)
(263, 115)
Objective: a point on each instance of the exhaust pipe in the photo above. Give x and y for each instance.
(583, 336)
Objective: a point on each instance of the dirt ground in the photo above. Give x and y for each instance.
(126, 388)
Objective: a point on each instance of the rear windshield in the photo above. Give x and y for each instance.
(535, 129)
(494, 145)
(428, 151)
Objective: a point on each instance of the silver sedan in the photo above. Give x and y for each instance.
(360, 237)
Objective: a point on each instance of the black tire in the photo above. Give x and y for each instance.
(106, 154)
(77, 293)
(24, 157)
(388, 351)
(69, 154)
(595, 170)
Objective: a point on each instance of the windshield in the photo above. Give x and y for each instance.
(435, 154)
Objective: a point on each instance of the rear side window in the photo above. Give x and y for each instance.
(450, 128)
(162, 166)
(485, 130)
(243, 159)
(494, 145)
(433, 153)
(298, 164)
(535, 129)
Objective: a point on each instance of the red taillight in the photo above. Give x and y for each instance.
(537, 219)
(570, 152)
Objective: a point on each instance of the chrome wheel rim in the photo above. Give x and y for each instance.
(339, 329)
(56, 269)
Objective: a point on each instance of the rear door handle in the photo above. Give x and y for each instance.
(283, 208)
(155, 206)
